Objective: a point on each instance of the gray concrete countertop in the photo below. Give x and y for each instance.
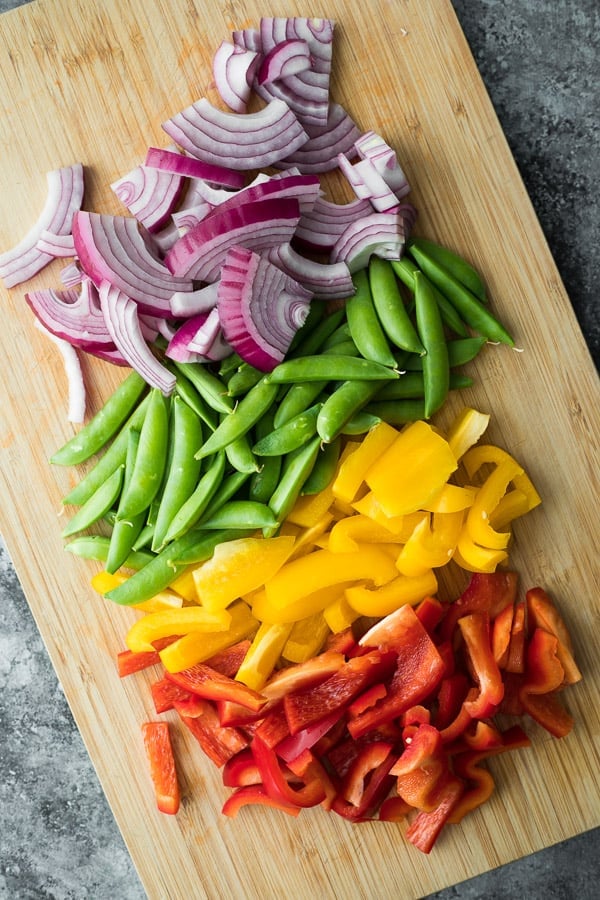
(540, 60)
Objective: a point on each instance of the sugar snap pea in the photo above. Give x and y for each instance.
(292, 434)
(296, 468)
(361, 422)
(245, 377)
(96, 546)
(263, 483)
(470, 309)
(231, 486)
(194, 507)
(405, 269)
(411, 386)
(236, 514)
(363, 321)
(313, 341)
(345, 401)
(326, 368)
(98, 504)
(460, 352)
(104, 425)
(248, 411)
(324, 467)
(436, 370)
(151, 458)
(209, 386)
(125, 531)
(396, 412)
(453, 263)
(186, 390)
(390, 307)
(240, 455)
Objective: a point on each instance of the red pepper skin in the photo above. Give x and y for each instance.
(130, 661)
(451, 695)
(218, 743)
(254, 795)
(293, 745)
(544, 676)
(241, 770)
(165, 692)
(475, 629)
(342, 642)
(426, 827)
(430, 612)
(228, 661)
(157, 741)
(501, 628)
(542, 613)
(516, 649)
(275, 784)
(206, 682)
(463, 719)
(421, 767)
(394, 809)
(485, 592)
(309, 767)
(366, 783)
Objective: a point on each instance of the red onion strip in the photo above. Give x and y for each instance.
(234, 70)
(58, 246)
(176, 162)
(149, 194)
(320, 227)
(72, 364)
(191, 304)
(327, 280)
(319, 153)
(284, 59)
(72, 315)
(381, 234)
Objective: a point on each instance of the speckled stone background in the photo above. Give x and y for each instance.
(540, 60)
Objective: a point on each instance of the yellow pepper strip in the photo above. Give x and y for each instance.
(489, 453)
(309, 509)
(473, 558)
(514, 504)
(370, 506)
(167, 599)
(412, 471)
(354, 467)
(466, 430)
(197, 647)
(488, 496)
(339, 615)
(306, 638)
(452, 498)
(263, 654)
(238, 567)
(185, 585)
(167, 622)
(307, 605)
(322, 568)
(432, 544)
(308, 537)
(386, 599)
(346, 535)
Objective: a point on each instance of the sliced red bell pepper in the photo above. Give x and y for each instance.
(366, 783)
(307, 766)
(228, 661)
(303, 675)
(241, 770)
(274, 727)
(515, 661)
(450, 698)
(475, 629)
(130, 661)
(274, 781)
(165, 692)
(341, 641)
(462, 720)
(543, 614)
(217, 742)
(430, 611)
(544, 676)
(367, 699)
(426, 827)
(394, 809)
(293, 745)
(420, 768)
(485, 592)
(206, 682)
(157, 741)
(255, 794)
(501, 628)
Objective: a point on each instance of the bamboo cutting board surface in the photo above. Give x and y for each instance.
(92, 83)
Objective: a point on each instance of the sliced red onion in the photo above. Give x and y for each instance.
(260, 308)
(303, 188)
(191, 304)
(234, 70)
(72, 364)
(201, 191)
(71, 275)
(327, 280)
(307, 92)
(64, 197)
(283, 60)
(379, 234)
(178, 348)
(368, 184)
(114, 249)
(149, 194)
(60, 246)
(72, 315)
(319, 153)
(184, 219)
(251, 141)
(123, 321)
(372, 146)
(320, 227)
(209, 340)
(174, 161)
(199, 253)
(166, 237)
(248, 38)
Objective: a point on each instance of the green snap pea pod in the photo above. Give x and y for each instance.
(364, 324)
(411, 386)
(151, 458)
(316, 312)
(460, 352)
(98, 504)
(339, 336)
(183, 470)
(361, 423)
(317, 337)
(104, 425)
(113, 457)
(348, 399)
(186, 390)
(389, 306)
(436, 369)
(330, 368)
(144, 539)
(125, 531)
(242, 514)
(229, 365)
(229, 488)
(406, 269)
(470, 309)
(264, 482)
(209, 386)
(205, 544)
(96, 547)
(324, 467)
(296, 468)
(197, 503)
(239, 422)
(294, 433)
(245, 377)
(240, 455)
(453, 263)
(397, 412)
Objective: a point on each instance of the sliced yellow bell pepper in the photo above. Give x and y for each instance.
(384, 600)
(432, 544)
(478, 456)
(452, 498)
(466, 430)
(238, 567)
(185, 585)
(306, 638)
(348, 533)
(400, 526)
(306, 605)
(307, 538)
(339, 615)
(354, 467)
(309, 509)
(488, 496)
(168, 622)
(473, 558)
(167, 599)
(263, 654)
(197, 647)
(514, 504)
(412, 471)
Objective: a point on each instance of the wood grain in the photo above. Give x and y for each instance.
(93, 82)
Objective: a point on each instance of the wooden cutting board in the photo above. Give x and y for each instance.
(92, 83)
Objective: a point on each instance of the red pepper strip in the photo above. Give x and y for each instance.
(308, 767)
(275, 784)
(218, 743)
(201, 679)
(311, 704)
(475, 629)
(430, 611)
(511, 704)
(341, 642)
(543, 614)
(241, 770)
(253, 795)
(274, 727)
(462, 720)
(165, 692)
(544, 675)
(451, 695)
(231, 713)
(394, 809)
(294, 745)
(421, 767)
(416, 715)
(303, 675)
(425, 829)
(228, 661)
(157, 741)
(419, 669)
(516, 648)
(367, 782)
(479, 780)
(501, 628)
(130, 661)
(485, 592)
(367, 699)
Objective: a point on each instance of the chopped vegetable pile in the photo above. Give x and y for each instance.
(268, 488)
